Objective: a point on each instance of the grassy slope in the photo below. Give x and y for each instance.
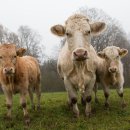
(55, 114)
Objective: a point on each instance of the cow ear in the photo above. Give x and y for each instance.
(97, 27)
(101, 54)
(58, 30)
(20, 52)
(123, 52)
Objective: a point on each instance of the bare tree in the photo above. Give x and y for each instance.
(3, 34)
(31, 40)
(13, 38)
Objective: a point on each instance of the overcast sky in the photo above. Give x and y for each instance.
(42, 14)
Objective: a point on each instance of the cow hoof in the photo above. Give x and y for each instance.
(124, 105)
(38, 107)
(83, 102)
(27, 120)
(69, 105)
(97, 101)
(33, 107)
(76, 115)
(106, 105)
(8, 118)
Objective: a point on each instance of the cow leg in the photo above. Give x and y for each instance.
(106, 94)
(24, 106)
(31, 98)
(95, 92)
(120, 93)
(88, 97)
(72, 95)
(9, 101)
(38, 94)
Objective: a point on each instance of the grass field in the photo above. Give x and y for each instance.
(55, 115)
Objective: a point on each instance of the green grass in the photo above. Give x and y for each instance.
(55, 115)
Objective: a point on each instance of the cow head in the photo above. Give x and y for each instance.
(78, 31)
(8, 57)
(112, 56)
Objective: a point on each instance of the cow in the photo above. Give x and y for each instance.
(110, 72)
(77, 58)
(18, 74)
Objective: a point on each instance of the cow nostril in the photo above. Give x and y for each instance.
(8, 70)
(85, 53)
(112, 70)
(5, 70)
(115, 69)
(75, 54)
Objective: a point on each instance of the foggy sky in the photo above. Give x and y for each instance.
(42, 14)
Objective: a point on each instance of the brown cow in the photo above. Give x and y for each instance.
(18, 74)
(110, 71)
(77, 58)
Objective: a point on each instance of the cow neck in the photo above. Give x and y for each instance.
(11, 82)
(80, 70)
(113, 78)
(80, 64)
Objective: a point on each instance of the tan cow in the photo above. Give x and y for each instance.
(18, 74)
(77, 58)
(110, 71)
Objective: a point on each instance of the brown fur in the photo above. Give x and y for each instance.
(26, 74)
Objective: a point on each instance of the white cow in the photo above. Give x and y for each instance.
(77, 58)
(110, 71)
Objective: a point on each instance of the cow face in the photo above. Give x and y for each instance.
(112, 56)
(78, 31)
(8, 58)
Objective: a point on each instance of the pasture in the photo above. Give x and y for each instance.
(55, 114)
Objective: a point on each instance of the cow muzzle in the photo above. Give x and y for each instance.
(112, 69)
(8, 70)
(80, 54)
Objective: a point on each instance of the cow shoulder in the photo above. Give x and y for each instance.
(65, 62)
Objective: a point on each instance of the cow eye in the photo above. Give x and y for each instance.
(87, 32)
(14, 57)
(117, 57)
(105, 57)
(1, 57)
(68, 34)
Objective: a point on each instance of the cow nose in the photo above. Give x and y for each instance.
(112, 69)
(80, 54)
(8, 70)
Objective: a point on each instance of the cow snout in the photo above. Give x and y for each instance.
(8, 70)
(80, 54)
(112, 69)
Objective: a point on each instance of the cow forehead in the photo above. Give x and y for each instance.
(111, 52)
(7, 49)
(77, 22)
